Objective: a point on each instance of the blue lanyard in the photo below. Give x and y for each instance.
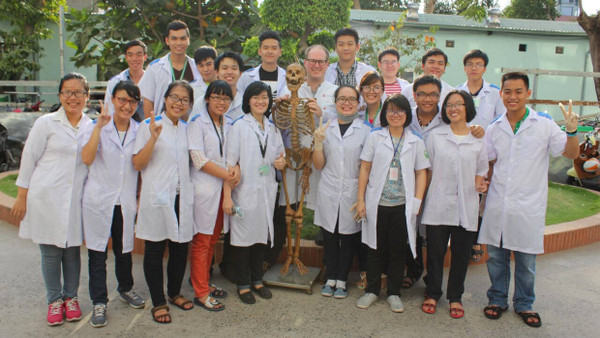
(399, 142)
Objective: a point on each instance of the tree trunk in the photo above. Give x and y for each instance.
(356, 4)
(303, 42)
(430, 6)
(591, 25)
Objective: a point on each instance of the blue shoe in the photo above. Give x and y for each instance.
(327, 291)
(340, 293)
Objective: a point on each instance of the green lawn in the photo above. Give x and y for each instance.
(565, 203)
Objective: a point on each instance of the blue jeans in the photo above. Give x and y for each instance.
(53, 260)
(498, 266)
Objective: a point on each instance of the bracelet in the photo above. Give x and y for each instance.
(571, 133)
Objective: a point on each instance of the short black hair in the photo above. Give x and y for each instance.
(516, 76)
(134, 43)
(205, 52)
(426, 79)
(390, 51)
(179, 83)
(432, 52)
(176, 25)
(230, 55)
(129, 87)
(256, 88)
(370, 78)
(74, 76)
(476, 54)
(269, 35)
(346, 31)
(469, 105)
(337, 91)
(399, 101)
(218, 87)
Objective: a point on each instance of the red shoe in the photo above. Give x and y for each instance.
(55, 313)
(72, 310)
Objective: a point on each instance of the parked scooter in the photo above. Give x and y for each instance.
(586, 167)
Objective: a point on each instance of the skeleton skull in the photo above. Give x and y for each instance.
(295, 76)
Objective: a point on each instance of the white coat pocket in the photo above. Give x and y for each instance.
(160, 195)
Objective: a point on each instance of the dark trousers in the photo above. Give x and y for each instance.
(391, 245)
(339, 250)
(227, 265)
(176, 264)
(460, 248)
(414, 265)
(279, 233)
(248, 262)
(97, 263)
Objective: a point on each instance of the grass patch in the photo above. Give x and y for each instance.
(7, 185)
(568, 203)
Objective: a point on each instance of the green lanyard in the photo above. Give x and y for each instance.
(518, 124)
(173, 71)
(376, 114)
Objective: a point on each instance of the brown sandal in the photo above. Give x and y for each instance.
(158, 318)
(182, 304)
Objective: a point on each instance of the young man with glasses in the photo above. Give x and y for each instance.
(347, 71)
(268, 71)
(434, 63)
(389, 64)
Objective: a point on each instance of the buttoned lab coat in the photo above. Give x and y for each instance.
(452, 198)
(255, 194)
(325, 96)
(158, 76)
(234, 111)
(253, 74)
(379, 151)
(515, 210)
(408, 92)
(207, 188)
(53, 172)
(111, 178)
(338, 188)
(488, 104)
(361, 70)
(169, 163)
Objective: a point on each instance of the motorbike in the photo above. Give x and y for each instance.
(586, 167)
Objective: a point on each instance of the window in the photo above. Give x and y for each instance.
(449, 43)
(522, 47)
(559, 49)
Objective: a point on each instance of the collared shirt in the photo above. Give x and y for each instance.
(348, 78)
(425, 130)
(488, 104)
(110, 86)
(360, 71)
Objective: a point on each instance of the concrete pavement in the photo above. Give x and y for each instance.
(567, 287)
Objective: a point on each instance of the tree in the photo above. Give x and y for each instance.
(444, 7)
(99, 32)
(591, 25)
(532, 9)
(385, 5)
(299, 19)
(475, 9)
(20, 42)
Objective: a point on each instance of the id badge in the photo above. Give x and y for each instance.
(393, 174)
(263, 170)
(476, 101)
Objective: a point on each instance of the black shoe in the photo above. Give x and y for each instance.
(263, 292)
(247, 298)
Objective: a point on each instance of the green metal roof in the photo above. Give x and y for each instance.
(460, 22)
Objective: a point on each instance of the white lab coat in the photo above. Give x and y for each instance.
(255, 194)
(253, 74)
(488, 104)
(207, 188)
(452, 198)
(516, 203)
(233, 113)
(338, 188)
(111, 179)
(199, 87)
(408, 92)
(52, 171)
(362, 112)
(158, 76)
(169, 164)
(379, 151)
(424, 131)
(361, 70)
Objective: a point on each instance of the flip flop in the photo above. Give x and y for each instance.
(527, 315)
(217, 292)
(408, 282)
(498, 309)
(476, 255)
(210, 304)
(429, 307)
(457, 312)
(182, 304)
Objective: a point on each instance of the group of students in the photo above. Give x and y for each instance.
(395, 161)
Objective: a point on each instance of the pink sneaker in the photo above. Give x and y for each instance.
(55, 313)
(72, 310)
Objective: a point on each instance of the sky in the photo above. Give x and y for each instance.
(589, 6)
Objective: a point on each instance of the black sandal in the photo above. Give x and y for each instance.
(182, 304)
(476, 255)
(497, 309)
(217, 292)
(263, 292)
(528, 315)
(408, 282)
(247, 297)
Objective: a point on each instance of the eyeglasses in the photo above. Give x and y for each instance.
(313, 62)
(375, 89)
(395, 112)
(124, 101)
(454, 105)
(175, 99)
(475, 65)
(389, 63)
(423, 95)
(220, 99)
(343, 99)
(78, 94)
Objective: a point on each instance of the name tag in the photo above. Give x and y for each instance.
(393, 174)
(263, 170)
(476, 101)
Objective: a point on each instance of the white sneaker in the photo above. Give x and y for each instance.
(395, 303)
(366, 300)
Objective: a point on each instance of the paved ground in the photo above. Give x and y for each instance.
(568, 289)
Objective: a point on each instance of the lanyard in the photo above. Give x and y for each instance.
(220, 137)
(396, 145)
(375, 117)
(263, 149)
(518, 124)
(182, 71)
(117, 130)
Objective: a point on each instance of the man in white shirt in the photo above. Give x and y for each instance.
(518, 144)
(389, 65)
(434, 63)
(268, 71)
(347, 71)
(136, 54)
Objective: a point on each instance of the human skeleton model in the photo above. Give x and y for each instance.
(293, 117)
